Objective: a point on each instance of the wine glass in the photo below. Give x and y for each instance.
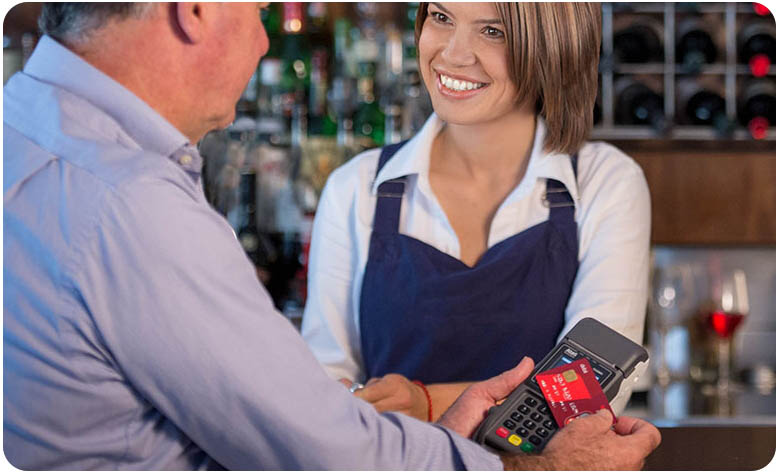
(673, 298)
(730, 307)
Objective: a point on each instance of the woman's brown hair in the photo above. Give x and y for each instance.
(553, 51)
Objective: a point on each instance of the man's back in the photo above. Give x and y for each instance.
(136, 334)
(64, 160)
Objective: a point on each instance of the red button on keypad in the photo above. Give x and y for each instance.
(502, 432)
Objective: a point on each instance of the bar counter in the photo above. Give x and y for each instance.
(711, 444)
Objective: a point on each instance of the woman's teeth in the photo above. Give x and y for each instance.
(459, 85)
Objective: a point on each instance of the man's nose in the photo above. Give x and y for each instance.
(458, 50)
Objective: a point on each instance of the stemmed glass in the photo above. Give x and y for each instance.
(731, 305)
(673, 299)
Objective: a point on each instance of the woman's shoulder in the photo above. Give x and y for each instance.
(356, 174)
(601, 162)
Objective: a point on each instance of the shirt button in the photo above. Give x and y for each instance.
(185, 159)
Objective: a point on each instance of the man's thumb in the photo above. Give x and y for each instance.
(500, 386)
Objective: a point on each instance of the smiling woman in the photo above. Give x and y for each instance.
(544, 48)
(446, 259)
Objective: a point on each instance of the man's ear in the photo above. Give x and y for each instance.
(189, 18)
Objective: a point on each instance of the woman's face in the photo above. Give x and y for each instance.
(463, 61)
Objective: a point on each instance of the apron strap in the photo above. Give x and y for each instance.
(558, 199)
(389, 195)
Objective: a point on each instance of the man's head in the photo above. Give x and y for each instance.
(73, 22)
(189, 61)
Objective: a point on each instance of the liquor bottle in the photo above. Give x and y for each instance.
(341, 94)
(316, 24)
(694, 46)
(390, 83)
(597, 114)
(416, 105)
(760, 9)
(702, 106)
(259, 251)
(295, 55)
(637, 104)
(368, 117)
(271, 17)
(639, 42)
(271, 124)
(757, 107)
(409, 42)
(757, 47)
(320, 121)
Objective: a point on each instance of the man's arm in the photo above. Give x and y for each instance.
(181, 312)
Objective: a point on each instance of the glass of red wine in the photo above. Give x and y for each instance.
(731, 305)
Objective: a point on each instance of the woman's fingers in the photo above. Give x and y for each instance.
(378, 390)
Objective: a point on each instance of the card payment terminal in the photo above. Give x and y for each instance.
(524, 423)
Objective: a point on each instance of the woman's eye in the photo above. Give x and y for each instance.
(493, 32)
(439, 17)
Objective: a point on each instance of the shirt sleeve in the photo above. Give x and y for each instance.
(184, 318)
(612, 282)
(329, 324)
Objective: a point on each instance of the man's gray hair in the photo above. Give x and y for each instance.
(75, 21)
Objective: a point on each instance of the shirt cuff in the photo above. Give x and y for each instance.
(472, 456)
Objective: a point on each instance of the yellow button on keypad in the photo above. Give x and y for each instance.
(515, 440)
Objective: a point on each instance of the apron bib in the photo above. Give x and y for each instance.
(430, 317)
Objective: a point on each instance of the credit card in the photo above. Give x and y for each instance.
(571, 391)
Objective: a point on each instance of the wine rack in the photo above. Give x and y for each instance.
(726, 74)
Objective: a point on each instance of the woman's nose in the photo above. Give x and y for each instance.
(458, 50)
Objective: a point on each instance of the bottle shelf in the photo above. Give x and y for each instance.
(727, 76)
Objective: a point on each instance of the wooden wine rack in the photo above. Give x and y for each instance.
(728, 72)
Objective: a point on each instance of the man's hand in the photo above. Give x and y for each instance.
(590, 443)
(469, 410)
(396, 393)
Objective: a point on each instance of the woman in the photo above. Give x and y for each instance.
(485, 237)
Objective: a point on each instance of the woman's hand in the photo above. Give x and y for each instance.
(394, 392)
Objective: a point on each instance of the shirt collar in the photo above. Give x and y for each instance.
(414, 158)
(146, 126)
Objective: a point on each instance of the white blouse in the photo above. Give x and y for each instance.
(612, 214)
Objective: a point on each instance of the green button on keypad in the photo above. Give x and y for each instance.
(526, 447)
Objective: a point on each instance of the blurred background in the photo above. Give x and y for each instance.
(687, 89)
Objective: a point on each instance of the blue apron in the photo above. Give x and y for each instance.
(429, 316)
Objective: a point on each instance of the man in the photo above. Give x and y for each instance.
(136, 335)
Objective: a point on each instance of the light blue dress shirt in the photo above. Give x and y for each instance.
(136, 335)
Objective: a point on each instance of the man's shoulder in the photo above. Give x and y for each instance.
(86, 161)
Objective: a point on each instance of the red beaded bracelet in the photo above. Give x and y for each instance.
(429, 400)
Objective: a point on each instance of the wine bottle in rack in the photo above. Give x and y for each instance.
(638, 104)
(694, 45)
(757, 46)
(757, 107)
(639, 42)
(597, 114)
(700, 105)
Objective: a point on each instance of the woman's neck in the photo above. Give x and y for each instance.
(488, 152)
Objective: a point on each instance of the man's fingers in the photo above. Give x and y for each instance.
(625, 424)
(346, 382)
(500, 386)
(598, 422)
(639, 432)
